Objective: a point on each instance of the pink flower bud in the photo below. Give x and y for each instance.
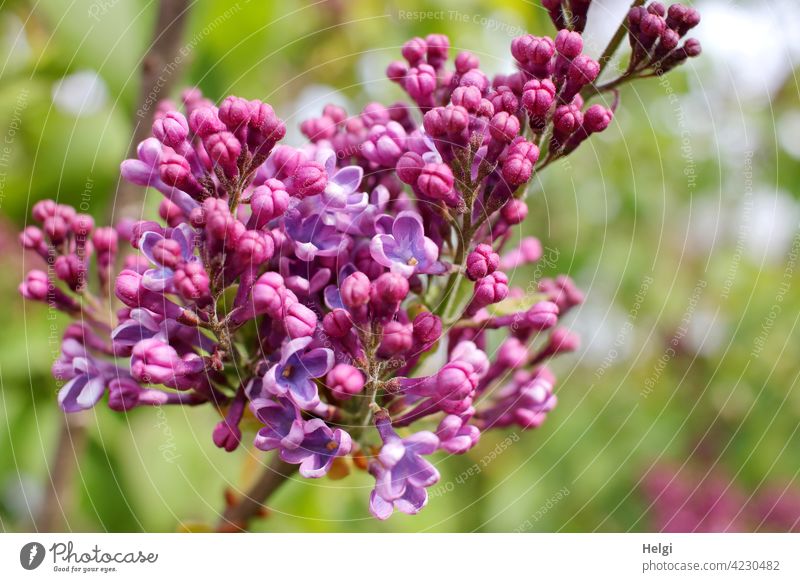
(468, 97)
(224, 149)
(191, 282)
(427, 328)
(397, 339)
(269, 294)
(35, 286)
(300, 321)
(538, 96)
(171, 129)
(436, 181)
(517, 170)
(309, 179)
(234, 112)
(409, 167)
(226, 436)
(337, 323)
(465, 61)
(504, 127)
(355, 290)
(438, 46)
(268, 201)
(203, 121)
(481, 262)
(390, 288)
(597, 118)
(345, 381)
(414, 50)
(514, 212)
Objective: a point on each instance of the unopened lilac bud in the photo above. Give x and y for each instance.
(396, 71)
(533, 53)
(203, 121)
(481, 262)
(597, 118)
(503, 99)
(269, 294)
(692, 47)
(652, 26)
(414, 50)
(468, 97)
(517, 170)
(44, 209)
(504, 127)
(397, 339)
(542, 315)
(524, 149)
(32, 238)
(224, 149)
(337, 323)
(474, 78)
(171, 129)
(512, 353)
(167, 252)
(568, 43)
(409, 167)
(561, 341)
(234, 112)
(35, 286)
(175, 170)
(566, 120)
(72, 270)
(491, 289)
(345, 381)
(427, 328)
(514, 212)
(300, 321)
(268, 201)
(450, 120)
(123, 394)
(436, 181)
(465, 61)
(56, 228)
(254, 247)
(582, 71)
(390, 288)
(656, 8)
(226, 436)
(192, 282)
(309, 179)
(438, 45)
(420, 83)
(171, 213)
(355, 290)
(318, 128)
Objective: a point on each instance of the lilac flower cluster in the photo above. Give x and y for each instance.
(342, 291)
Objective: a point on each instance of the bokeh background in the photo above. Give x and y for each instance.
(680, 411)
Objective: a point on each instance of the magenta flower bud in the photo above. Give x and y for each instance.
(504, 127)
(171, 129)
(668, 41)
(597, 118)
(56, 228)
(562, 341)
(268, 201)
(450, 120)
(512, 353)
(542, 315)
(534, 53)
(652, 26)
(175, 170)
(466, 61)
(123, 394)
(32, 238)
(337, 323)
(481, 262)
(72, 270)
(420, 83)
(375, 114)
(192, 282)
(456, 381)
(529, 251)
(538, 97)
(171, 213)
(491, 289)
(44, 209)
(309, 179)
(409, 167)
(438, 46)
(514, 212)
(254, 247)
(385, 144)
(234, 112)
(203, 121)
(82, 225)
(300, 321)
(336, 113)
(524, 149)
(436, 181)
(468, 97)
(566, 120)
(156, 362)
(167, 252)
(390, 288)
(582, 71)
(318, 128)
(517, 170)
(269, 294)
(657, 8)
(355, 290)
(562, 291)
(692, 47)
(504, 100)
(224, 149)
(226, 436)
(414, 50)
(456, 436)
(427, 328)
(35, 286)
(345, 381)
(396, 71)
(397, 339)
(474, 78)
(568, 43)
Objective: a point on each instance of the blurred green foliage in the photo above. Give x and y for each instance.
(622, 217)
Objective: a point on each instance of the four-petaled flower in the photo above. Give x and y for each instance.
(407, 250)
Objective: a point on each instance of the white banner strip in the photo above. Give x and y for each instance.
(354, 557)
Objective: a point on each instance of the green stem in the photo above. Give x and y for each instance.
(615, 41)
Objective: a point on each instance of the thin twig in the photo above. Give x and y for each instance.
(237, 517)
(69, 448)
(159, 71)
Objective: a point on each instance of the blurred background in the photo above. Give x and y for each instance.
(679, 413)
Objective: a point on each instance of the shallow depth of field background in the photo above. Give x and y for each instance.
(680, 222)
